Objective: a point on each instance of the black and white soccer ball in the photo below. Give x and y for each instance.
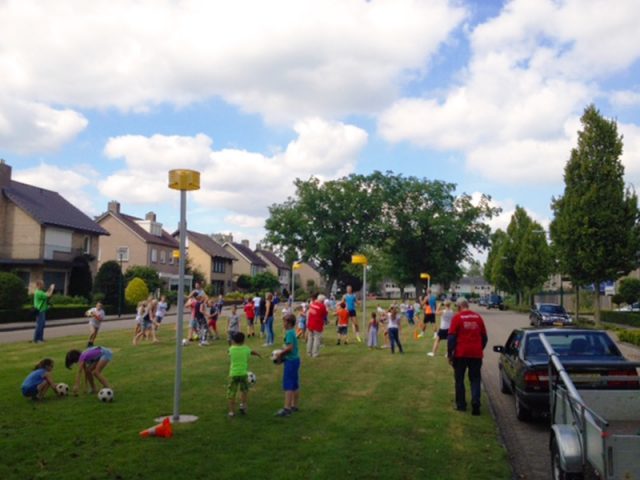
(251, 378)
(62, 389)
(275, 356)
(105, 395)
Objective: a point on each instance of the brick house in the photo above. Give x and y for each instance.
(43, 236)
(249, 263)
(212, 260)
(276, 266)
(136, 241)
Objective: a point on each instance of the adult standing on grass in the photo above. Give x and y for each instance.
(351, 301)
(96, 316)
(41, 305)
(315, 325)
(466, 341)
(269, 312)
(446, 314)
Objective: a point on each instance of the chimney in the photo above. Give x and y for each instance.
(5, 174)
(150, 216)
(114, 206)
(245, 243)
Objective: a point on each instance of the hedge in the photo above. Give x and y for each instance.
(55, 312)
(630, 336)
(623, 318)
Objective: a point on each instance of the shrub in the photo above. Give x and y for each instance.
(110, 282)
(630, 336)
(629, 289)
(80, 280)
(624, 318)
(58, 299)
(147, 274)
(172, 297)
(12, 291)
(244, 282)
(136, 291)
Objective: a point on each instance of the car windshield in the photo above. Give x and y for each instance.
(555, 309)
(573, 344)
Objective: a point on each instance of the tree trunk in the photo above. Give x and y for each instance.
(596, 306)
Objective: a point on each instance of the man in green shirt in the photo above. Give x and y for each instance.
(239, 355)
(41, 305)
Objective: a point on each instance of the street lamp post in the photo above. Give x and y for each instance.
(362, 260)
(427, 277)
(294, 266)
(182, 180)
(121, 252)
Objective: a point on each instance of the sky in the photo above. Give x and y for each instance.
(100, 99)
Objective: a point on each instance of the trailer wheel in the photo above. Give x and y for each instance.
(522, 412)
(557, 472)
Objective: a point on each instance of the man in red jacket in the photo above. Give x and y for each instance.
(466, 341)
(315, 324)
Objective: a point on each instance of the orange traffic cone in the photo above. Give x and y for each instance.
(163, 430)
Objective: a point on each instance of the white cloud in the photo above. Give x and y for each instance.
(245, 183)
(285, 60)
(625, 98)
(73, 186)
(631, 152)
(30, 127)
(532, 71)
(245, 221)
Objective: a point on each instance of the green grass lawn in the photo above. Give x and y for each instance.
(364, 414)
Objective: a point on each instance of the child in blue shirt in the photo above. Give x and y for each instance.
(39, 380)
(290, 376)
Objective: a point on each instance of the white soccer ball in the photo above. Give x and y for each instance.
(275, 356)
(185, 342)
(251, 378)
(105, 395)
(62, 389)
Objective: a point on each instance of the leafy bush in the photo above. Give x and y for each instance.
(12, 291)
(630, 336)
(97, 297)
(234, 296)
(172, 297)
(244, 282)
(265, 281)
(629, 289)
(110, 282)
(624, 318)
(147, 274)
(136, 291)
(80, 280)
(58, 299)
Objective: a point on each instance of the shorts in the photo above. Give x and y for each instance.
(147, 325)
(290, 377)
(352, 313)
(30, 392)
(194, 324)
(343, 329)
(213, 322)
(107, 354)
(250, 320)
(429, 318)
(159, 319)
(230, 335)
(443, 333)
(235, 382)
(94, 323)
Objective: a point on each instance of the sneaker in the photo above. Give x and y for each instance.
(295, 409)
(231, 414)
(430, 354)
(435, 335)
(243, 409)
(338, 342)
(475, 410)
(421, 335)
(359, 339)
(283, 412)
(461, 409)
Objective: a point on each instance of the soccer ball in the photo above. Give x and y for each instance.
(62, 389)
(251, 378)
(275, 356)
(185, 342)
(105, 395)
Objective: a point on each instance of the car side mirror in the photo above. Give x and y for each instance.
(498, 348)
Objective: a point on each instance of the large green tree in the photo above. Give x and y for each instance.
(596, 228)
(326, 222)
(149, 275)
(110, 282)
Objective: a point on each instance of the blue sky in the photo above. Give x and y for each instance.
(108, 96)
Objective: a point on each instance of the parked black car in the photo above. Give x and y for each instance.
(545, 314)
(495, 301)
(589, 356)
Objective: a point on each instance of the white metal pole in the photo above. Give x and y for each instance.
(180, 306)
(364, 299)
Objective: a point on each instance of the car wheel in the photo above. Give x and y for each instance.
(557, 472)
(504, 386)
(522, 412)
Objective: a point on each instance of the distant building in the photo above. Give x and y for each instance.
(249, 263)
(136, 241)
(468, 286)
(42, 235)
(212, 260)
(309, 277)
(276, 266)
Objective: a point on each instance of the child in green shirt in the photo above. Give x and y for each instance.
(239, 355)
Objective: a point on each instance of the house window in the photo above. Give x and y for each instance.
(154, 255)
(163, 256)
(219, 265)
(86, 245)
(171, 259)
(122, 254)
